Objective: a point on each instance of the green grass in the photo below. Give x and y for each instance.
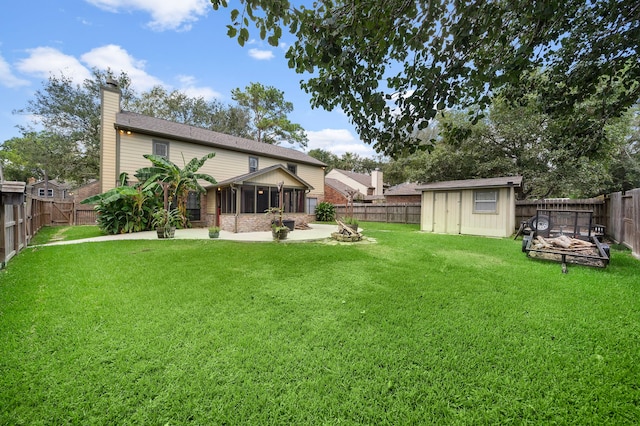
(415, 329)
(64, 233)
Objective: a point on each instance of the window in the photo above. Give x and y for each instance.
(247, 204)
(161, 149)
(485, 201)
(253, 164)
(193, 206)
(311, 205)
(292, 168)
(41, 193)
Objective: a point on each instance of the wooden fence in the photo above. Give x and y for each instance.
(46, 212)
(390, 213)
(624, 219)
(527, 208)
(13, 236)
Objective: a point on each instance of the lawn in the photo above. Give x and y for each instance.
(414, 329)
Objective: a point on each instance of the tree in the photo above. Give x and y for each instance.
(392, 65)
(327, 157)
(72, 112)
(196, 111)
(178, 182)
(42, 155)
(269, 115)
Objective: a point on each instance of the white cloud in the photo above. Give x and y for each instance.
(7, 78)
(338, 141)
(45, 61)
(261, 55)
(188, 86)
(117, 59)
(165, 14)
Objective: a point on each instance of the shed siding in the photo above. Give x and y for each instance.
(499, 224)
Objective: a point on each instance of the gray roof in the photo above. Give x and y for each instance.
(361, 178)
(239, 180)
(339, 186)
(497, 182)
(172, 130)
(407, 188)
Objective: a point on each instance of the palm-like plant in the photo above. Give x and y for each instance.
(164, 173)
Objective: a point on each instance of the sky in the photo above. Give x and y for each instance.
(178, 44)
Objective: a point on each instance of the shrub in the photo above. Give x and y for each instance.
(325, 212)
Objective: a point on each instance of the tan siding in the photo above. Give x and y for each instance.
(110, 107)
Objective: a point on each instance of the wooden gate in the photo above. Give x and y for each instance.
(62, 213)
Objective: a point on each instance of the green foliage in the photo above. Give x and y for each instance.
(392, 65)
(269, 113)
(124, 209)
(325, 212)
(179, 182)
(70, 113)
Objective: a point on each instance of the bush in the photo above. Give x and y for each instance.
(325, 212)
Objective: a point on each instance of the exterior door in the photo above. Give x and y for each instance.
(446, 212)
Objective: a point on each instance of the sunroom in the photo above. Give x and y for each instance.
(241, 203)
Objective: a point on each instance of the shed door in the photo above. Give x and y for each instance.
(446, 212)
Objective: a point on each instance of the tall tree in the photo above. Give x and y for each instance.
(42, 155)
(269, 115)
(196, 111)
(392, 65)
(72, 111)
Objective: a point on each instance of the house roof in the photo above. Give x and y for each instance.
(339, 186)
(169, 129)
(407, 188)
(497, 182)
(361, 178)
(52, 182)
(239, 180)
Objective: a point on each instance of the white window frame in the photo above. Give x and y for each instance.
(251, 169)
(485, 201)
(49, 193)
(157, 144)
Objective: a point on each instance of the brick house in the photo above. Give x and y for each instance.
(249, 173)
(404, 193)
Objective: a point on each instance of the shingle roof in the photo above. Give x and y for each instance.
(497, 182)
(338, 186)
(172, 130)
(358, 177)
(407, 188)
(239, 180)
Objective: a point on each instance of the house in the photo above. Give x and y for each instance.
(474, 207)
(51, 189)
(404, 193)
(249, 173)
(343, 186)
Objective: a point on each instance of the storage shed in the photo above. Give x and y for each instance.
(483, 207)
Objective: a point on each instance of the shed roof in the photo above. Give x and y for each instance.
(498, 182)
(172, 130)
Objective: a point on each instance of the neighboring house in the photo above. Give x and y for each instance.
(248, 172)
(343, 186)
(404, 193)
(49, 189)
(474, 207)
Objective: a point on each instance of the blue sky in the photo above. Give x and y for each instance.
(177, 44)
